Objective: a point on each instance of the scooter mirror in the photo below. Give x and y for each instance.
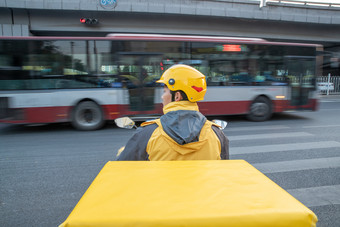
(125, 122)
(222, 124)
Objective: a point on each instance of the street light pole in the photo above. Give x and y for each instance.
(262, 3)
(328, 83)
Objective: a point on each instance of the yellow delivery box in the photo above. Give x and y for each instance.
(186, 193)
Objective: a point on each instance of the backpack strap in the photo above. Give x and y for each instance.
(156, 121)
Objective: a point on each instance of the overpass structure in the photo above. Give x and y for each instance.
(283, 20)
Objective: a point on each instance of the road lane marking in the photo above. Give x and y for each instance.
(255, 128)
(284, 147)
(321, 126)
(328, 109)
(298, 165)
(269, 136)
(317, 196)
(331, 100)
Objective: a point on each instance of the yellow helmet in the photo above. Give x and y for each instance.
(187, 79)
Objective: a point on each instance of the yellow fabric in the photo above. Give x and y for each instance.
(187, 193)
(162, 147)
(187, 79)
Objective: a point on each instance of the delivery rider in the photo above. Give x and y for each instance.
(182, 133)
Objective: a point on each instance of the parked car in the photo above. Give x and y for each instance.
(324, 86)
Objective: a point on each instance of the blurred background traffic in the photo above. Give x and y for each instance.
(86, 63)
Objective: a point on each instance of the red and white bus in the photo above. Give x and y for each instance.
(88, 80)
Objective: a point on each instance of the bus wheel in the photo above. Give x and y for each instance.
(260, 109)
(87, 116)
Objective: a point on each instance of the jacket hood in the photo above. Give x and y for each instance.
(183, 123)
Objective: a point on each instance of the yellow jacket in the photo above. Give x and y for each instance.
(182, 133)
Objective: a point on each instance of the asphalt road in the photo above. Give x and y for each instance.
(44, 170)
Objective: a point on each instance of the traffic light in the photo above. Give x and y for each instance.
(88, 21)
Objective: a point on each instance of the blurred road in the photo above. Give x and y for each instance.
(44, 170)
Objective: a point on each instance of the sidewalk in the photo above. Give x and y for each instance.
(329, 97)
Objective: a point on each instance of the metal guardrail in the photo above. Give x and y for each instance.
(306, 3)
(334, 4)
(335, 80)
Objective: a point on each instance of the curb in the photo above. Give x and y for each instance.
(329, 97)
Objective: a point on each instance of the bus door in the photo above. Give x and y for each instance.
(139, 72)
(301, 76)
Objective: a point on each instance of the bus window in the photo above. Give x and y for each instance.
(140, 71)
(301, 73)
